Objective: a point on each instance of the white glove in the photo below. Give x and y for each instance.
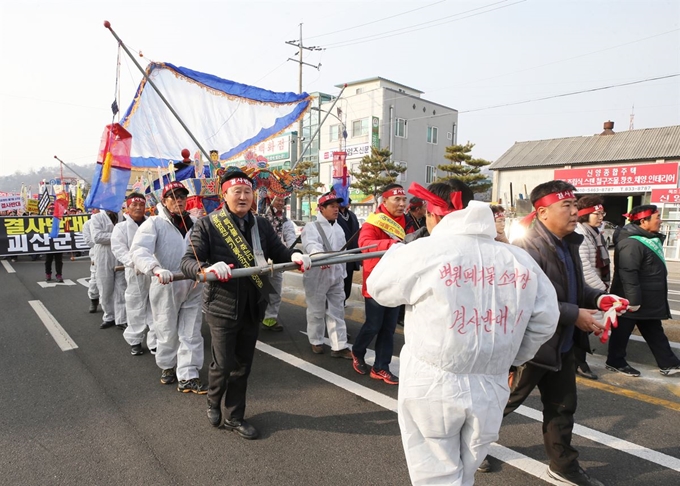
(633, 308)
(164, 276)
(304, 261)
(221, 270)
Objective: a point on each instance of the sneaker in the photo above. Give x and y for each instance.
(48, 277)
(153, 351)
(136, 350)
(343, 353)
(270, 324)
(585, 371)
(670, 371)
(626, 370)
(107, 324)
(385, 376)
(122, 327)
(93, 305)
(359, 365)
(168, 377)
(576, 478)
(485, 466)
(192, 386)
(59, 279)
(317, 348)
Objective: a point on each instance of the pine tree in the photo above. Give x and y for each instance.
(375, 171)
(463, 167)
(309, 188)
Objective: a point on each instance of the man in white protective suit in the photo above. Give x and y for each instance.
(111, 284)
(285, 230)
(475, 308)
(92, 290)
(157, 250)
(137, 302)
(325, 285)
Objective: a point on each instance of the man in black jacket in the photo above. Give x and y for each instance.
(641, 277)
(350, 225)
(234, 237)
(551, 241)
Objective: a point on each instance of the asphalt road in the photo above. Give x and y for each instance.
(97, 415)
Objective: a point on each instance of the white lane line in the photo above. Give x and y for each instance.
(389, 403)
(8, 267)
(58, 333)
(522, 462)
(634, 337)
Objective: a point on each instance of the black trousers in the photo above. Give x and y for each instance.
(652, 332)
(233, 348)
(58, 262)
(558, 394)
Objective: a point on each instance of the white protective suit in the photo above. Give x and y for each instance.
(276, 280)
(92, 290)
(176, 307)
(137, 302)
(325, 287)
(474, 307)
(111, 284)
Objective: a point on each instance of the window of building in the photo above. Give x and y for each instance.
(432, 135)
(400, 128)
(430, 174)
(360, 127)
(334, 133)
(359, 90)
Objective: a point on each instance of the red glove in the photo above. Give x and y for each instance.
(609, 301)
(610, 321)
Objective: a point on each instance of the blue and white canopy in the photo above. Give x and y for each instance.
(223, 115)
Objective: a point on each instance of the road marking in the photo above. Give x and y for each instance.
(629, 393)
(58, 333)
(8, 267)
(389, 403)
(634, 337)
(65, 283)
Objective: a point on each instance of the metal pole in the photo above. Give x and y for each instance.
(107, 24)
(69, 168)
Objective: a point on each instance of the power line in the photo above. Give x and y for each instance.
(387, 34)
(376, 21)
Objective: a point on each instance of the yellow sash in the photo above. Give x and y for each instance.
(238, 246)
(387, 224)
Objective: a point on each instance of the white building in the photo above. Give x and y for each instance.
(381, 113)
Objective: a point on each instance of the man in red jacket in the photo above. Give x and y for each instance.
(384, 228)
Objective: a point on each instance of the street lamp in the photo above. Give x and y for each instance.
(344, 127)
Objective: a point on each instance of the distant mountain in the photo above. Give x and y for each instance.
(12, 183)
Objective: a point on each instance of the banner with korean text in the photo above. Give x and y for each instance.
(623, 178)
(29, 235)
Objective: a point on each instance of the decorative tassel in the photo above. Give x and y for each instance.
(106, 168)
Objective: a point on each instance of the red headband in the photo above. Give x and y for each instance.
(397, 191)
(331, 196)
(591, 209)
(641, 215)
(435, 204)
(499, 215)
(135, 199)
(236, 181)
(544, 202)
(171, 186)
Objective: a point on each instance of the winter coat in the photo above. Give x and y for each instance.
(588, 252)
(640, 275)
(229, 299)
(372, 235)
(351, 228)
(539, 242)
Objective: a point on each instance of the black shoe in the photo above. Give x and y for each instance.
(214, 415)
(192, 386)
(276, 327)
(136, 350)
(122, 327)
(342, 353)
(168, 377)
(93, 305)
(242, 428)
(107, 324)
(485, 466)
(317, 348)
(626, 370)
(585, 371)
(576, 478)
(359, 365)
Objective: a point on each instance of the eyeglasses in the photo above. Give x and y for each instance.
(179, 197)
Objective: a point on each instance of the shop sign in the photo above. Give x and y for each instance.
(621, 178)
(665, 196)
(353, 152)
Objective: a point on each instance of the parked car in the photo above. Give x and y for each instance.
(608, 233)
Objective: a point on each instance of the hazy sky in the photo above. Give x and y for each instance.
(59, 62)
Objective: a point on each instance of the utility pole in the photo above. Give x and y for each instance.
(301, 47)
